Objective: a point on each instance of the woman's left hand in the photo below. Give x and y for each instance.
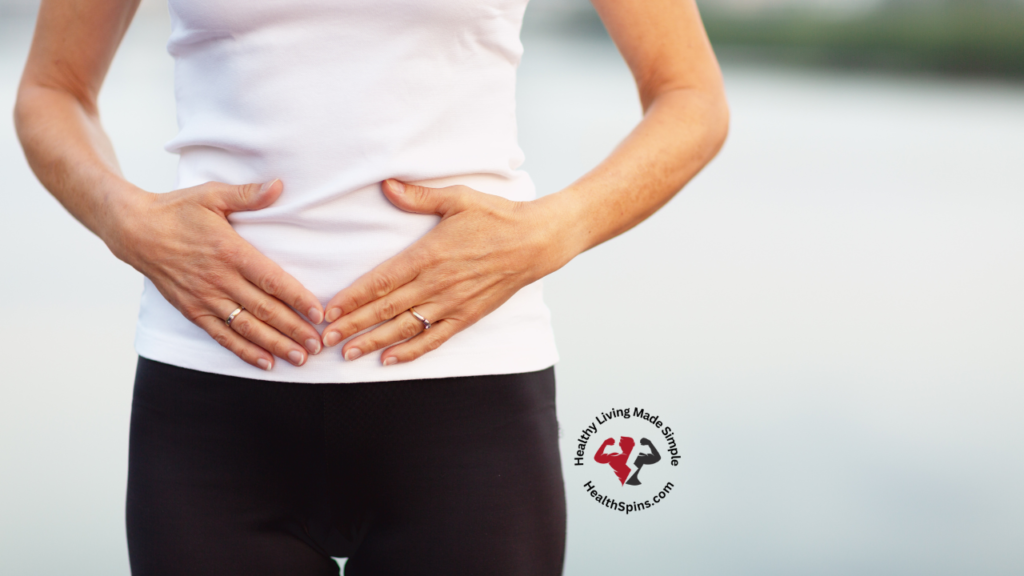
(484, 249)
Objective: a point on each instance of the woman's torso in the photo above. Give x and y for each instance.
(333, 97)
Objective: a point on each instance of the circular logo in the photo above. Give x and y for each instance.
(627, 455)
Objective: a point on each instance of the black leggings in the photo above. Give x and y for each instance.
(447, 476)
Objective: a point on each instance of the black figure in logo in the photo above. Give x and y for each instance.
(642, 459)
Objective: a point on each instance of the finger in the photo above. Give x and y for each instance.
(422, 343)
(389, 276)
(272, 279)
(241, 347)
(227, 198)
(281, 318)
(423, 200)
(377, 311)
(256, 267)
(256, 331)
(401, 327)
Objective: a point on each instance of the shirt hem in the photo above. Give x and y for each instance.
(436, 364)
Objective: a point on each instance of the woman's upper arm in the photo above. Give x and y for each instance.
(74, 43)
(664, 45)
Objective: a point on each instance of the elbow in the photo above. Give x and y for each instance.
(702, 111)
(718, 123)
(28, 115)
(38, 101)
(709, 119)
(21, 113)
(28, 110)
(716, 114)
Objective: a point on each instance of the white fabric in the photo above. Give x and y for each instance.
(333, 97)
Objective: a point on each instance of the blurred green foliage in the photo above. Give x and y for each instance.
(983, 37)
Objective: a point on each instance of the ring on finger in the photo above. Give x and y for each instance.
(231, 317)
(426, 323)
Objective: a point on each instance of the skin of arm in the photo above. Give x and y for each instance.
(486, 248)
(181, 240)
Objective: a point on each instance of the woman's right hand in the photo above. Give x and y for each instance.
(182, 241)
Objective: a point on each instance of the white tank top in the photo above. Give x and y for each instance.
(333, 97)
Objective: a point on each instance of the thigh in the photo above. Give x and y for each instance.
(224, 475)
(459, 475)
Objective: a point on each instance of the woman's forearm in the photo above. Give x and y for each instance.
(685, 122)
(72, 156)
(680, 133)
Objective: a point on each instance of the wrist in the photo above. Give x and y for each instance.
(123, 215)
(562, 229)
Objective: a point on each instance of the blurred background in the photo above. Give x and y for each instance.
(830, 315)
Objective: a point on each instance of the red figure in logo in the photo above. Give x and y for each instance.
(617, 460)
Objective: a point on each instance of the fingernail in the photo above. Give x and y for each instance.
(315, 315)
(390, 360)
(397, 187)
(263, 363)
(331, 338)
(353, 353)
(266, 185)
(333, 314)
(296, 357)
(313, 345)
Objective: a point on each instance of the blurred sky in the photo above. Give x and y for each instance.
(830, 315)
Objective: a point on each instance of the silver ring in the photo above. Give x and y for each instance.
(426, 323)
(231, 317)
